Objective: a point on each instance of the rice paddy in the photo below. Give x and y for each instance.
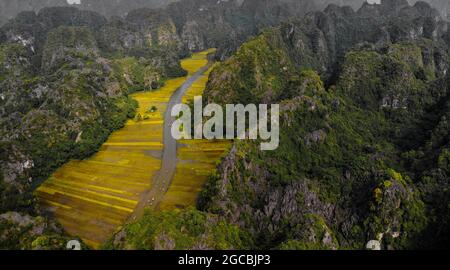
(91, 198)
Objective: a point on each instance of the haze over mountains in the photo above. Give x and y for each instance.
(10, 8)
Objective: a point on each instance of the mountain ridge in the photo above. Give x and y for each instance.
(356, 161)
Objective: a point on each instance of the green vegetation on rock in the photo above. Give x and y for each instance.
(352, 150)
(179, 230)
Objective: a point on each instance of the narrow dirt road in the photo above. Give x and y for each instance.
(163, 179)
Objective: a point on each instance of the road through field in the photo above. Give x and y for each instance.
(163, 179)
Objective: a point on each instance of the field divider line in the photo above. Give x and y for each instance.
(82, 190)
(54, 191)
(68, 183)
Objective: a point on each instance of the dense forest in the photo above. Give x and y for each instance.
(365, 131)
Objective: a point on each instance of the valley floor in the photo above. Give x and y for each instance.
(94, 197)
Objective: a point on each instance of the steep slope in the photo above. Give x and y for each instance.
(65, 113)
(321, 39)
(360, 160)
(226, 24)
(187, 229)
(441, 5)
(48, 119)
(111, 8)
(10, 8)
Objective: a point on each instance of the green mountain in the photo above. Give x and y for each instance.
(364, 132)
(11, 8)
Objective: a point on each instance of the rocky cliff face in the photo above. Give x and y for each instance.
(145, 33)
(22, 231)
(44, 112)
(321, 40)
(198, 24)
(356, 161)
(226, 24)
(30, 29)
(442, 6)
(111, 8)
(11, 8)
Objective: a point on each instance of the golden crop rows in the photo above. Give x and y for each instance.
(93, 197)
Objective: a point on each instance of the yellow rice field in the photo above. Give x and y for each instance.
(93, 197)
(197, 159)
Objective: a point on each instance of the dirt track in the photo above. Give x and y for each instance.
(162, 180)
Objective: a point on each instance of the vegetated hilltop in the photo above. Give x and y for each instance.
(110, 8)
(199, 24)
(202, 24)
(364, 155)
(10, 8)
(443, 6)
(188, 229)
